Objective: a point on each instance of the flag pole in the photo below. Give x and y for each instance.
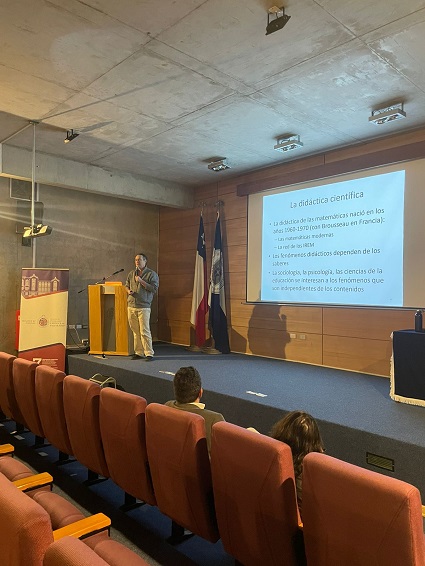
(200, 291)
(216, 297)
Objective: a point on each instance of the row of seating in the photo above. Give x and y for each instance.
(153, 452)
(245, 494)
(36, 530)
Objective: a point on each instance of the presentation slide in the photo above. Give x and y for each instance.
(340, 243)
(354, 240)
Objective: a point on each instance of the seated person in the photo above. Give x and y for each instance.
(188, 393)
(300, 431)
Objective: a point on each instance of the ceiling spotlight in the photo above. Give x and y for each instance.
(288, 144)
(219, 165)
(36, 231)
(70, 135)
(389, 114)
(278, 22)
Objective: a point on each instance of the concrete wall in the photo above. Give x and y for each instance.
(93, 236)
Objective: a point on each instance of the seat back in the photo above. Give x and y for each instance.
(81, 404)
(49, 398)
(8, 403)
(26, 531)
(359, 517)
(24, 386)
(61, 511)
(73, 552)
(180, 468)
(122, 427)
(14, 469)
(69, 551)
(255, 496)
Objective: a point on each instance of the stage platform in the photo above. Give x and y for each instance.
(356, 415)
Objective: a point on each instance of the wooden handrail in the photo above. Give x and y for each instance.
(6, 449)
(34, 482)
(85, 527)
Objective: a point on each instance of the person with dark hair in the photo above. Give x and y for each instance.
(142, 284)
(188, 393)
(300, 431)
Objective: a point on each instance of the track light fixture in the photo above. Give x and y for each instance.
(36, 231)
(218, 165)
(280, 20)
(288, 143)
(388, 114)
(70, 135)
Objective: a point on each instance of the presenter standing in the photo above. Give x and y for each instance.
(142, 284)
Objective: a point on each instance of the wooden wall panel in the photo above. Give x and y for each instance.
(376, 145)
(176, 286)
(180, 239)
(171, 219)
(374, 324)
(357, 354)
(177, 262)
(175, 332)
(235, 286)
(288, 318)
(236, 259)
(233, 206)
(234, 232)
(175, 309)
(276, 344)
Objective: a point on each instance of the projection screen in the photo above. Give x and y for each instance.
(352, 240)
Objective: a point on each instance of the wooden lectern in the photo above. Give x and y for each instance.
(108, 327)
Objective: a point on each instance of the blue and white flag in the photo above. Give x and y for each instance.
(216, 298)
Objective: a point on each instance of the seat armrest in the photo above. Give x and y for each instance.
(34, 482)
(6, 449)
(85, 527)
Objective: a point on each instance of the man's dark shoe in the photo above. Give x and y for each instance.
(148, 358)
(136, 357)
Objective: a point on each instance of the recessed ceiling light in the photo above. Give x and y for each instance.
(388, 114)
(219, 165)
(288, 143)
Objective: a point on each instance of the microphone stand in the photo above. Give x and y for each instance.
(104, 279)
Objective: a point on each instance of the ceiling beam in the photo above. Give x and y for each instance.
(60, 172)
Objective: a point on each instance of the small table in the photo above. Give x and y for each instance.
(408, 367)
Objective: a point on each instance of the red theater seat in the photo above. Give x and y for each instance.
(24, 385)
(61, 511)
(72, 552)
(180, 468)
(356, 517)
(8, 403)
(49, 397)
(26, 528)
(81, 404)
(14, 469)
(25, 532)
(255, 497)
(122, 426)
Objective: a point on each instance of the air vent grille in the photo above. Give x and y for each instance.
(380, 462)
(20, 189)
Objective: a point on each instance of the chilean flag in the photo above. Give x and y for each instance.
(199, 295)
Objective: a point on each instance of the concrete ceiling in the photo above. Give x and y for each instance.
(156, 88)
